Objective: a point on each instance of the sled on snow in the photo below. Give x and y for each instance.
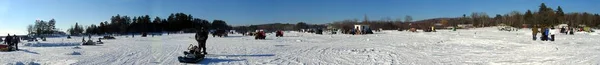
(194, 55)
(189, 59)
(4, 47)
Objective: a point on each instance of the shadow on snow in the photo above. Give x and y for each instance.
(218, 60)
(40, 44)
(209, 60)
(255, 55)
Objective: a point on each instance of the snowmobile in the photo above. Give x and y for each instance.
(194, 55)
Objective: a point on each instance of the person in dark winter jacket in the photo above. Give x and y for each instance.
(201, 37)
(16, 41)
(8, 39)
(571, 30)
(534, 32)
(563, 30)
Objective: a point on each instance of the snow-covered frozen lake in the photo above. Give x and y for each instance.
(482, 46)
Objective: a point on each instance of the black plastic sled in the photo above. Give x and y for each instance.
(191, 56)
(183, 59)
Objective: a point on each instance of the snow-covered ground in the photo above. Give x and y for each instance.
(481, 46)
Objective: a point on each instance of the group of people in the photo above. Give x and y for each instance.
(12, 41)
(547, 33)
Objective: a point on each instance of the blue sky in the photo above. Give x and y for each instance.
(15, 15)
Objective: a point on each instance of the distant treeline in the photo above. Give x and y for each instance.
(43, 27)
(544, 17)
(144, 24)
(278, 26)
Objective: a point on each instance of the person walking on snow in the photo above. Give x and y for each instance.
(201, 37)
(534, 32)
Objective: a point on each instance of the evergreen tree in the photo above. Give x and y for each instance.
(219, 24)
(301, 25)
(51, 25)
(560, 15)
(529, 18)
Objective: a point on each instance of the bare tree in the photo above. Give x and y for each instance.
(479, 18)
(30, 29)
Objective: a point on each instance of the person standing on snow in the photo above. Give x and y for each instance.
(563, 30)
(16, 41)
(546, 34)
(534, 32)
(201, 37)
(8, 39)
